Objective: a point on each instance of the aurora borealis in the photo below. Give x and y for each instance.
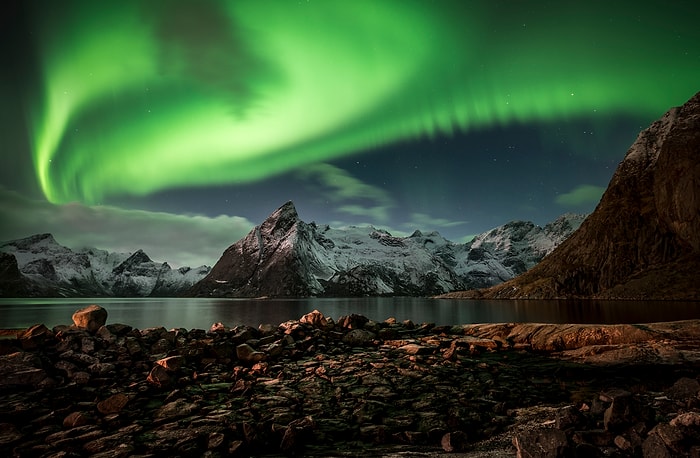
(458, 116)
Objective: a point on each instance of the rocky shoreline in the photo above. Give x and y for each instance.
(319, 387)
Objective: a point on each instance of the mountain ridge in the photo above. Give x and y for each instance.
(38, 266)
(287, 257)
(643, 239)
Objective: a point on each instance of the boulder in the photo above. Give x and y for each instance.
(34, 336)
(358, 338)
(248, 354)
(91, 318)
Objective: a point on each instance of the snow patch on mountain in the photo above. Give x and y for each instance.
(56, 270)
(285, 256)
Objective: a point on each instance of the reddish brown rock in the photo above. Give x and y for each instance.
(34, 336)
(91, 318)
(112, 404)
(159, 376)
(75, 419)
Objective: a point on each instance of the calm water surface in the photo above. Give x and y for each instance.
(200, 313)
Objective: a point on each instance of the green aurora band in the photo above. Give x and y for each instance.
(139, 97)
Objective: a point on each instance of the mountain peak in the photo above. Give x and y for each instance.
(37, 240)
(137, 258)
(286, 212)
(643, 239)
(280, 221)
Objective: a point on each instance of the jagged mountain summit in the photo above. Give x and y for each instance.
(643, 239)
(38, 266)
(286, 257)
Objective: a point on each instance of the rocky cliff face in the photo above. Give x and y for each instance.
(643, 239)
(40, 266)
(286, 257)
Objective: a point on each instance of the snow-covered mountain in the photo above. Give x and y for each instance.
(49, 269)
(286, 257)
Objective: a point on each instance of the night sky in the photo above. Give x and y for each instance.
(175, 126)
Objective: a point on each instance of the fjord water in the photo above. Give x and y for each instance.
(198, 313)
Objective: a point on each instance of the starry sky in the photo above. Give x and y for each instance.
(175, 126)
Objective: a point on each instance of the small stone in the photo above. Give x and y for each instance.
(34, 336)
(75, 419)
(542, 443)
(9, 433)
(215, 441)
(248, 354)
(87, 344)
(568, 417)
(684, 388)
(315, 319)
(112, 404)
(295, 432)
(415, 349)
(653, 447)
(687, 419)
(159, 376)
(171, 363)
(358, 338)
(455, 441)
(622, 443)
(177, 408)
(80, 377)
(91, 318)
(267, 329)
(217, 327)
(19, 368)
(353, 321)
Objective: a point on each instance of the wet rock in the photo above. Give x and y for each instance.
(456, 441)
(541, 443)
(623, 412)
(9, 434)
(353, 321)
(112, 404)
(424, 389)
(296, 432)
(416, 349)
(569, 417)
(75, 419)
(21, 369)
(34, 337)
(684, 389)
(90, 318)
(175, 409)
(315, 319)
(654, 447)
(171, 363)
(248, 354)
(159, 376)
(358, 338)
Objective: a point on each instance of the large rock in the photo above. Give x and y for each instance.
(643, 239)
(92, 318)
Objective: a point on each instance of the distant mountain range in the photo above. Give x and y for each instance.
(286, 257)
(38, 266)
(643, 239)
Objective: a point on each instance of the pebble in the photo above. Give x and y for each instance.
(316, 387)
